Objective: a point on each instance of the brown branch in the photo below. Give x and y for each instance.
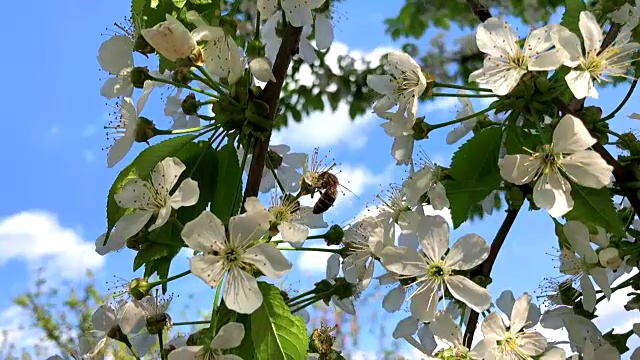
(487, 265)
(271, 95)
(481, 11)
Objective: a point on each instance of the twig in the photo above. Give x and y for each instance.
(481, 11)
(487, 265)
(271, 96)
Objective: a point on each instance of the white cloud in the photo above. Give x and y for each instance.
(330, 127)
(314, 262)
(38, 238)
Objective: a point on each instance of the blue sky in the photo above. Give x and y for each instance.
(56, 179)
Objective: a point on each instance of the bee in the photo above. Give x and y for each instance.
(329, 185)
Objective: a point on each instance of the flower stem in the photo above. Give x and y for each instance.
(257, 34)
(211, 82)
(460, 87)
(206, 117)
(171, 278)
(300, 296)
(211, 140)
(273, 171)
(184, 131)
(464, 95)
(624, 101)
(456, 121)
(185, 86)
(177, 223)
(335, 251)
(321, 236)
(609, 131)
(305, 304)
(161, 345)
(199, 322)
(214, 312)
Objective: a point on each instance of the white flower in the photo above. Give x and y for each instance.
(627, 15)
(394, 299)
(221, 53)
(400, 128)
(403, 84)
(444, 328)
(409, 326)
(512, 343)
(285, 165)
(323, 30)
(228, 337)
(149, 198)
(433, 269)
(116, 57)
(615, 60)
(585, 338)
(364, 242)
(124, 130)
(565, 156)
(235, 255)
(272, 42)
(506, 302)
(123, 319)
(394, 208)
(293, 221)
(610, 258)
(171, 39)
(581, 263)
(466, 126)
(506, 63)
(426, 180)
(298, 12)
(261, 69)
(173, 108)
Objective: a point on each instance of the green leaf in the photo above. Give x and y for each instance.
(179, 3)
(200, 2)
(595, 206)
(225, 316)
(225, 201)
(202, 166)
(150, 252)
(141, 168)
(474, 172)
(571, 15)
(276, 333)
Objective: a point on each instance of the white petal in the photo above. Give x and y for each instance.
(549, 60)
(117, 86)
(581, 84)
(470, 293)
(185, 353)
(569, 43)
(324, 31)
(434, 233)
(345, 305)
(497, 38)
(493, 328)
(104, 318)
(229, 336)
(570, 135)
(456, 134)
(204, 233)
(354, 265)
(248, 226)
(505, 302)
(382, 84)
(554, 195)
(119, 150)
(519, 313)
(405, 328)
(403, 260)
(599, 275)
(538, 41)
(591, 32)
(267, 8)
(253, 205)
(241, 292)
(438, 197)
(333, 266)
(268, 259)
(532, 343)
(116, 54)
(209, 268)
(588, 294)
(588, 168)
(425, 303)
(131, 317)
(427, 340)
(446, 329)
(519, 169)
(261, 69)
(311, 220)
(186, 195)
(394, 299)
(307, 52)
(166, 173)
(129, 225)
(467, 252)
(110, 246)
(298, 12)
(135, 194)
(554, 318)
(294, 234)
(163, 217)
(578, 236)
(170, 38)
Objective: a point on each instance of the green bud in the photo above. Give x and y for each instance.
(139, 288)
(255, 49)
(629, 141)
(258, 107)
(273, 160)
(139, 75)
(542, 84)
(334, 236)
(190, 105)
(145, 129)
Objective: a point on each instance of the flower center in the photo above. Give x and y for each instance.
(232, 257)
(281, 214)
(519, 60)
(437, 271)
(594, 65)
(509, 347)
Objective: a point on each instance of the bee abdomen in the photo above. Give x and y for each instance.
(326, 200)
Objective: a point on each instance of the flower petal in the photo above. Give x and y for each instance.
(588, 168)
(394, 299)
(298, 12)
(185, 353)
(117, 86)
(110, 246)
(241, 292)
(519, 169)
(187, 194)
(591, 32)
(588, 293)
(578, 236)
(403, 260)
(519, 313)
(497, 38)
(261, 69)
(248, 226)
(434, 232)
(209, 268)
(104, 318)
(470, 293)
(532, 343)
(570, 135)
(467, 252)
(333, 266)
(135, 194)
(493, 328)
(425, 303)
(116, 54)
(446, 329)
(505, 302)
(119, 150)
(553, 195)
(324, 31)
(129, 225)
(581, 84)
(569, 43)
(131, 317)
(205, 233)
(229, 336)
(166, 173)
(268, 259)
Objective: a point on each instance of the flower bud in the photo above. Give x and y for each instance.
(334, 236)
(190, 105)
(255, 49)
(610, 258)
(420, 129)
(139, 75)
(139, 288)
(145, 129)
(542, 84)
(273, 161)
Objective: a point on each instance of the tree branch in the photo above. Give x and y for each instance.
(271, 95)
(481, 11)
(487, 265)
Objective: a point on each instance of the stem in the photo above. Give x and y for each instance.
(300, 296)
(209, 80)
(609, 131)
(487, 265)
(242, 166)
(624, 101)
(178, 223)
(171, 278)
(184, 131)
(257, 34)
(273, 171)
(206, 117)
(185, 86)
(464, 95)
(161, 345)
(479, 10)
(460, 87)
(211, 140)
(453, 122)
(214, 312)
(334, 251)
(206, 102)
(304, 305)
(199, 322)
(321, 236)
(271, 96)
